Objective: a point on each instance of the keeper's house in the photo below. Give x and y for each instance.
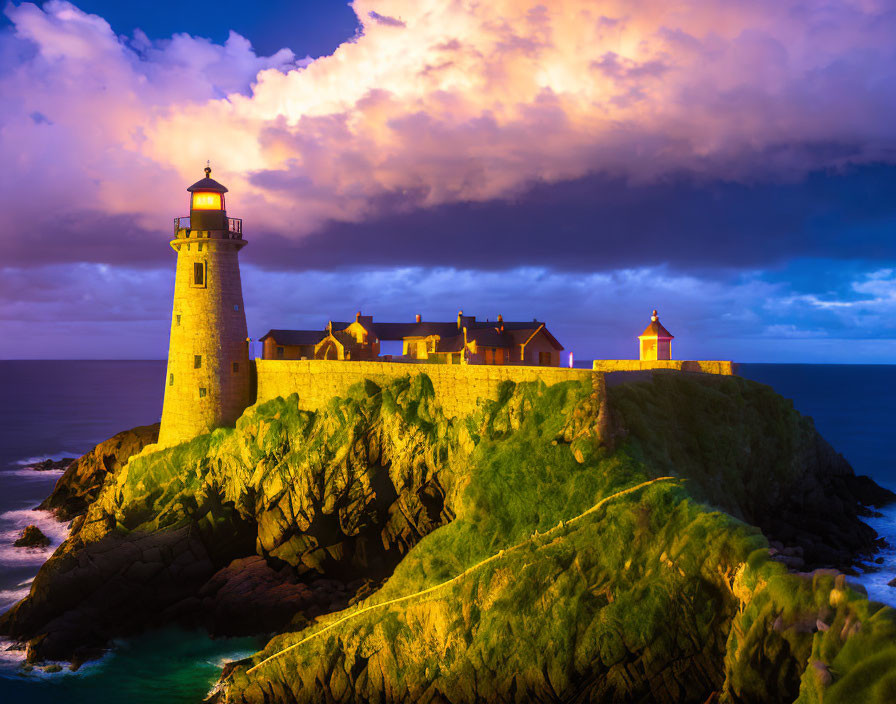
(464, 341)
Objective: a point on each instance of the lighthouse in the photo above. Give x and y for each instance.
(207, 384)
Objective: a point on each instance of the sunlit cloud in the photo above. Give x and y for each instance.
(436, 103)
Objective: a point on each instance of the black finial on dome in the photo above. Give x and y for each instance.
(208, 183)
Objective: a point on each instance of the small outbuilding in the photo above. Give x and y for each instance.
(655, 342)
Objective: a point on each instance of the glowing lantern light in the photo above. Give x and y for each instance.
(207, 204)
(570, 360)
(205, 200)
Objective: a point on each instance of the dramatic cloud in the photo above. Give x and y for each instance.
(113, 312)
(434, 103)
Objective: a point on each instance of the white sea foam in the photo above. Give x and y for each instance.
(8, 597)
(221, 660)
(11, 656)
(11, 525)
(56, 457)
(29, 473)
(876, 582)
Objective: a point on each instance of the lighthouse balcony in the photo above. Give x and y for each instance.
(234, 230)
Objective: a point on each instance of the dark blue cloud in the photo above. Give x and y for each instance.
(599, 223)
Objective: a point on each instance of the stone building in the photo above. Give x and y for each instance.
(208, 381)
(655, 342)
(463, 341)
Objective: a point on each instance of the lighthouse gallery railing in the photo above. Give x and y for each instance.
(234, 226)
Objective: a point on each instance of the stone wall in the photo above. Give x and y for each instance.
(458, 387)
(638, 365)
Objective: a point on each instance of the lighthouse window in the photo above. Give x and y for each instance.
(199, 274)
(197, 361)
(236, 367)
(171, 380)
(199, 246)
(236, 307)
(202, 392)
(177, 318)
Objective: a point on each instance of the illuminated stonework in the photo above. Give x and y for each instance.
(655, 343)
(208, 379)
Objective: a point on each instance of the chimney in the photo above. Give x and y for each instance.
(460, 314)
(358, 317)
(419, 319)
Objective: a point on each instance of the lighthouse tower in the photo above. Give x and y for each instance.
(208, 379)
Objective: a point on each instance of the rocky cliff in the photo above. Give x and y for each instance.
(83, 478)
(567, 543)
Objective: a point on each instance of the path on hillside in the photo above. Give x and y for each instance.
(463, 574)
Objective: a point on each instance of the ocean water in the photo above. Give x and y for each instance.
(63, 408)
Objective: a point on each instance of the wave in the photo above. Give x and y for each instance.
(11, 525)
(29, 473)
(56, 457)
(8, 597)
(876, 581)
(11, 656)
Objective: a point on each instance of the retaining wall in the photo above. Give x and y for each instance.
(637, 365)
(458, 387)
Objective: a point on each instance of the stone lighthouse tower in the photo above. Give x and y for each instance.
(208, 379)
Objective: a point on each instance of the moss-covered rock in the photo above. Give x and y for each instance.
(83, 477)
(562, 543)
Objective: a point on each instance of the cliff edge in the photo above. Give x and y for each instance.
(562, 543)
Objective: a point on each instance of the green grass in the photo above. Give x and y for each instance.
(660, 582)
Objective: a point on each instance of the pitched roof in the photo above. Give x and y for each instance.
(489, 337)
(486, 333)
(451, 344)
(656, 329)
(294, 337)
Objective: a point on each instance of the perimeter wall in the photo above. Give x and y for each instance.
(458, 387)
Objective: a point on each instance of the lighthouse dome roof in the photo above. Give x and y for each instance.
(208, 184)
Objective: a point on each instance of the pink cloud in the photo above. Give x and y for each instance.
(462, 102)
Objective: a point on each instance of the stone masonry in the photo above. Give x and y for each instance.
(208, 380)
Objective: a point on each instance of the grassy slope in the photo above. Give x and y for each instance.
(656, 595)
(636, 600)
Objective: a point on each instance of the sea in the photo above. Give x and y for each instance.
(57, 409)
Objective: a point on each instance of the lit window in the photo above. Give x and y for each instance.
(197, 361)
(207, 201)
(171, 380)
(236, 367)
(199, 273)
(202, 392)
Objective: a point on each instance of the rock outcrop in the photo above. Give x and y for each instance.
(32, 537)
(563, 543)
(83, 478)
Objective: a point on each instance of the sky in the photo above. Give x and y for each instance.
(582, 162)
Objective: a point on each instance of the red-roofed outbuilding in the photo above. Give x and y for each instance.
(655, 342)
